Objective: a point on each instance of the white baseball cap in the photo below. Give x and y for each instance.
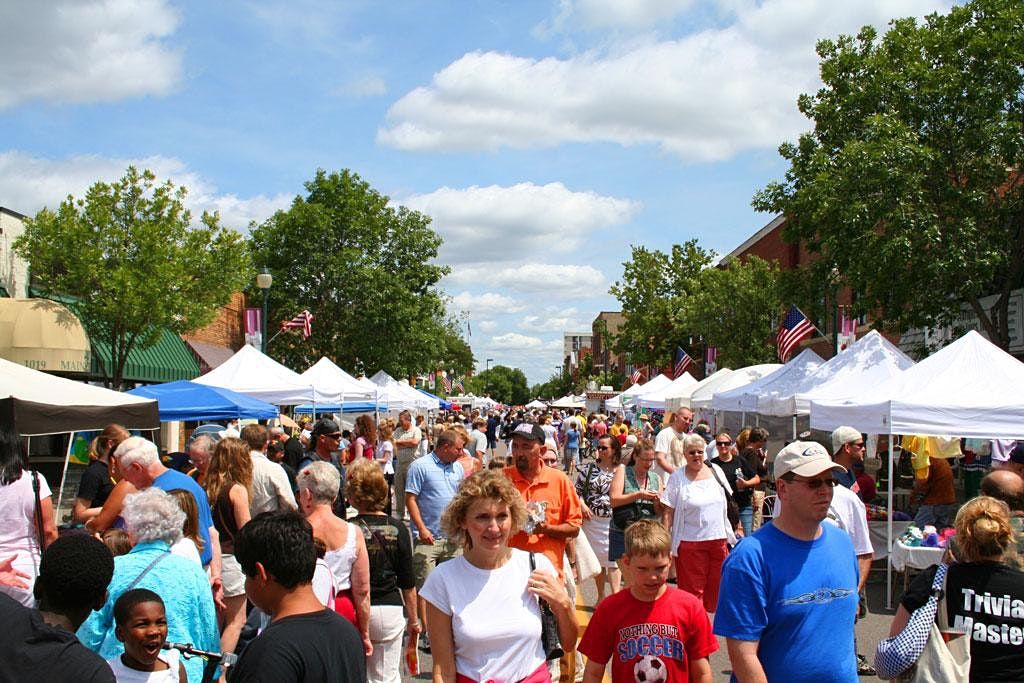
(805, 458)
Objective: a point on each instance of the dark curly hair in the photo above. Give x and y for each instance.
(74, 573)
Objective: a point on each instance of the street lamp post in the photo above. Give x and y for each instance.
(263, 280)
(489, 361)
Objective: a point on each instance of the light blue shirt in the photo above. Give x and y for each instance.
(434, 484)
(188, 602)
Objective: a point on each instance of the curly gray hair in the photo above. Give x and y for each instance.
(321, 479)
(153, 515)
(136, 449)
(693, 441)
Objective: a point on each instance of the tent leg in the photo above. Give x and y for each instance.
(794, 428)
(63, 475)
(888, 533)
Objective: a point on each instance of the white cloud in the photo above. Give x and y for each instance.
(73, 51)
(487, 326)
(516, 341)
(496, 223)
(705, 97)
(564, 280)
(27, 184)
(546, 323)
(618, 14)
(486, 303)
(366, 86)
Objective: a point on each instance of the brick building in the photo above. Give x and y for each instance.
(607, 322)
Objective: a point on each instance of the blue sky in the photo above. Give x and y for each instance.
(543, 138)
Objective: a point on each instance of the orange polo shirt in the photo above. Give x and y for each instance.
(563, 507)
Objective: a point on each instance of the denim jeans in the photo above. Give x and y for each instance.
(747, 519)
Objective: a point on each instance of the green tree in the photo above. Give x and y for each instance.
(133, 263)
(652, 292)
(735, 308)
(366, 271)
(502, 383)
(909, 185)
(557, 386)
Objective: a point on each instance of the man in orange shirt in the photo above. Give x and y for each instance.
(936, 494)
(547, 486)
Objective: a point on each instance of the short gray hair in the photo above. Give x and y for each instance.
(153, 515)
(203, 443)
(691, 440)
(321, 479)
(136, 449)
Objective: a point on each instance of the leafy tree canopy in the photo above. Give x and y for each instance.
(130, 258)
(908, 186)
(366, 271)
(502, 383)
(653, 290)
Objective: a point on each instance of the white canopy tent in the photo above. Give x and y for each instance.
(255, 374)
(681, 399)
(614, 404)
(570, 401)
(871, 360)
(750, 398)
(400, 396)
(655, 399)
(702, 399)
(652, 384)
(536, 404)
(970, 388)
(334, 385)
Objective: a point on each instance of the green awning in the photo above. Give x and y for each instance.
(166, 361)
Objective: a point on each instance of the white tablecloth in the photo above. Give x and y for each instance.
(878, 532)
(904, 556)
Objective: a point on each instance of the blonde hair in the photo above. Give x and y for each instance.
(484, 485)
(107, 440)
(983, 530)
(647, 537)
(365, 486)
(188, 505)
(231, 464)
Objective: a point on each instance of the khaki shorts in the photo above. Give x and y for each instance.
(425, 557)
(232, 575)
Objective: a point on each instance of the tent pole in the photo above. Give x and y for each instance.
(63, 475)
(794, 428)
(888, 534)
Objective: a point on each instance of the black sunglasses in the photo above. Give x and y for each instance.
(723, 443)
(814, 484)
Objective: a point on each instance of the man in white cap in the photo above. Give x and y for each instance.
(789, 592)
(847, 449)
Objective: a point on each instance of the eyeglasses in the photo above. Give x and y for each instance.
(858, 445)
(814, 484)
(551, 461)
(604, 448)
(333, 436)
(723, 443)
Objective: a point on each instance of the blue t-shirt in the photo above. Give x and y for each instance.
(172, 480)
(572, 439)
(798, 598)
(434, 484)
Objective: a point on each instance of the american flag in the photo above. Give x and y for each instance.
(635, 377)
(710, 360)
(795, 328)
(682, 361)
(303, 321)
(459, 386)
(446, 383)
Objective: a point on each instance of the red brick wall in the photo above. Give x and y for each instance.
(228, 328)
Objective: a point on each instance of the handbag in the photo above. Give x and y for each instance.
(919, 653)
(624, 515)
(548, 626)
(732, 510)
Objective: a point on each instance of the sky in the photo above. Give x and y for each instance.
(543, 138)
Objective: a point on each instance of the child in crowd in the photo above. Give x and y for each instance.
(117, 541)
(142, 627)
(651, 631)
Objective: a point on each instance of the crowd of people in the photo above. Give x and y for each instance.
(333, 554)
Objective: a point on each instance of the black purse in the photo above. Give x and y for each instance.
(624, 515)
(548, 626)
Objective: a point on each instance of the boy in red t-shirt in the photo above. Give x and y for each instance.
(652, 631)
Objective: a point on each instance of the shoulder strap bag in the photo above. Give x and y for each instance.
(732, 510)
(548, 626)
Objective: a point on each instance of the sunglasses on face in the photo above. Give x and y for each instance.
(721, 444)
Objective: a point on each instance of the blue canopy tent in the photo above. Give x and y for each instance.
(445, 405)
(188, 401)
(356, 407)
